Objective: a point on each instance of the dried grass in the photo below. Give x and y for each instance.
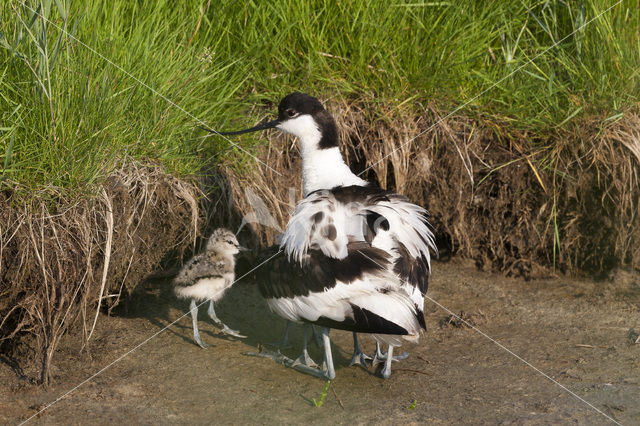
(62, 263)
(493, 197)
(601, 223)
(565, 200)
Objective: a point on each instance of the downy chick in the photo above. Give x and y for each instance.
(207, 276)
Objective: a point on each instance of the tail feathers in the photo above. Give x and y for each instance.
(394, 306)
(420, 317)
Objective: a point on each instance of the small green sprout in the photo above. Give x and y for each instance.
(323, 395)
(413, 404)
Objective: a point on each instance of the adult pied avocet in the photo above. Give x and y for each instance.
(361, 253)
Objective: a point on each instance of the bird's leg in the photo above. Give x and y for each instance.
(327, 371)
(380, 356)
(358, 357)
(288, 362)
(225, 329)
(317, 335)
(212, 313)
(386, 370)
(305, 359)
(285, 339)
(194, 318)
(231, 332)
(327, 364)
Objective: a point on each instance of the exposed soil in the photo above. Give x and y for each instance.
(581, 333)
(60, 260)
(514, 202)
(492, 196)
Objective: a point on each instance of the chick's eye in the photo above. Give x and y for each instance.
(291, 112)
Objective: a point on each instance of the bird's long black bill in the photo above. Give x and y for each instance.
(262, 126)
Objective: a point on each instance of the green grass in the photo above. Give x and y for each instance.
(323, 395)
(68, 117)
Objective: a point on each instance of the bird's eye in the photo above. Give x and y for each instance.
(291, 112)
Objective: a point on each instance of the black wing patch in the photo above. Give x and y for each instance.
(319, 272)
(360, 194)
(363, 321)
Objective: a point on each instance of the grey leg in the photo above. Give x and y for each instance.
(380, 356)
(379, 353)
(212, 313)
(231, 332)
(194, 318)
(328, 369)
(285, 339)
(288, 362)
(225, 329)
(317, 336)
(305, 359)
(358, 357)
(386, 370)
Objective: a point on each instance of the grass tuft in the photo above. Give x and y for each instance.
(73, 116)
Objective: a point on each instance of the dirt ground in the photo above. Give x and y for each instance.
(579, 332)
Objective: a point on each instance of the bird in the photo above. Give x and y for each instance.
(207, 276)
(361, 253)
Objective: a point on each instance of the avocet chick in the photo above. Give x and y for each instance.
(207, 276)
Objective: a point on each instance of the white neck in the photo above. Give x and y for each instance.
(325, 169)
(321, 168)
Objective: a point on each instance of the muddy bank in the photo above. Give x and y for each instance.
(514, 202)
(578, 332)
(508, 201)
(62, 259)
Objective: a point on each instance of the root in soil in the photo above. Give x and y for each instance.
(564, 201)
(61, 263)
(514, 204)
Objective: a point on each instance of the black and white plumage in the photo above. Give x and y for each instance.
(207, 276)
(362, 254)
(370, 219)
(354, 293)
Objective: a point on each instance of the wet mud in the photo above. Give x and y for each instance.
(581, 333)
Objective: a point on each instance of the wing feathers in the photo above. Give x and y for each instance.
(327, 220)
(361, 257)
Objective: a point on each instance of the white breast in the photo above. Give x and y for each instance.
(205, 288)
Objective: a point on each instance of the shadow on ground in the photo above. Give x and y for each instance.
(580, 333)
(154, 301)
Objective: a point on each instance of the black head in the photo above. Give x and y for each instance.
(297, 103)
(293, 106)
